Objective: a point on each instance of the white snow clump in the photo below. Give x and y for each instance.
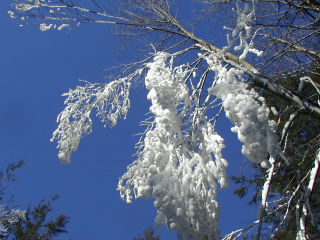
(180, 180)
(45, 27)
(11, 14)
(242, 33)
(247, 110)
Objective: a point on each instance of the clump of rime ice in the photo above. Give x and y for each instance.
(110, 100)
(242, 33)
(247, 111)
(181, 181)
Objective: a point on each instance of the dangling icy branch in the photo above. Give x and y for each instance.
(110, 100)
(242, 33)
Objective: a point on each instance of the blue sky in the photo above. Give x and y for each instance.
(35, 69)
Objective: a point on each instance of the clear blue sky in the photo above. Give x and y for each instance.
(35, 69)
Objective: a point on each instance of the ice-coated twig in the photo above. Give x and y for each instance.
(309, 79)
(290, 200)
(301, 233)
(264, 195)
(242, 32)
(239, 232)
(284, 134)
(287, 125)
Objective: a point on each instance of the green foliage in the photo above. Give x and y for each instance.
(8, 176)
(148, 234)
(8, 215)
(255, 182)
(301, 146)
(35, 225)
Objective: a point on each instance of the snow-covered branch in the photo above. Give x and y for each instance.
(60, 14)
(110, 100)
(179, 160)
(306, 210)
(180, 180)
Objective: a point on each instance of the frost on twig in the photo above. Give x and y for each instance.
(110, 100)
(56, 14)
(180, 180)
(238, 233)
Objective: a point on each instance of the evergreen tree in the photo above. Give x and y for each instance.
(148, 234)
(35, 225)
(298, 133)
(30, 224)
